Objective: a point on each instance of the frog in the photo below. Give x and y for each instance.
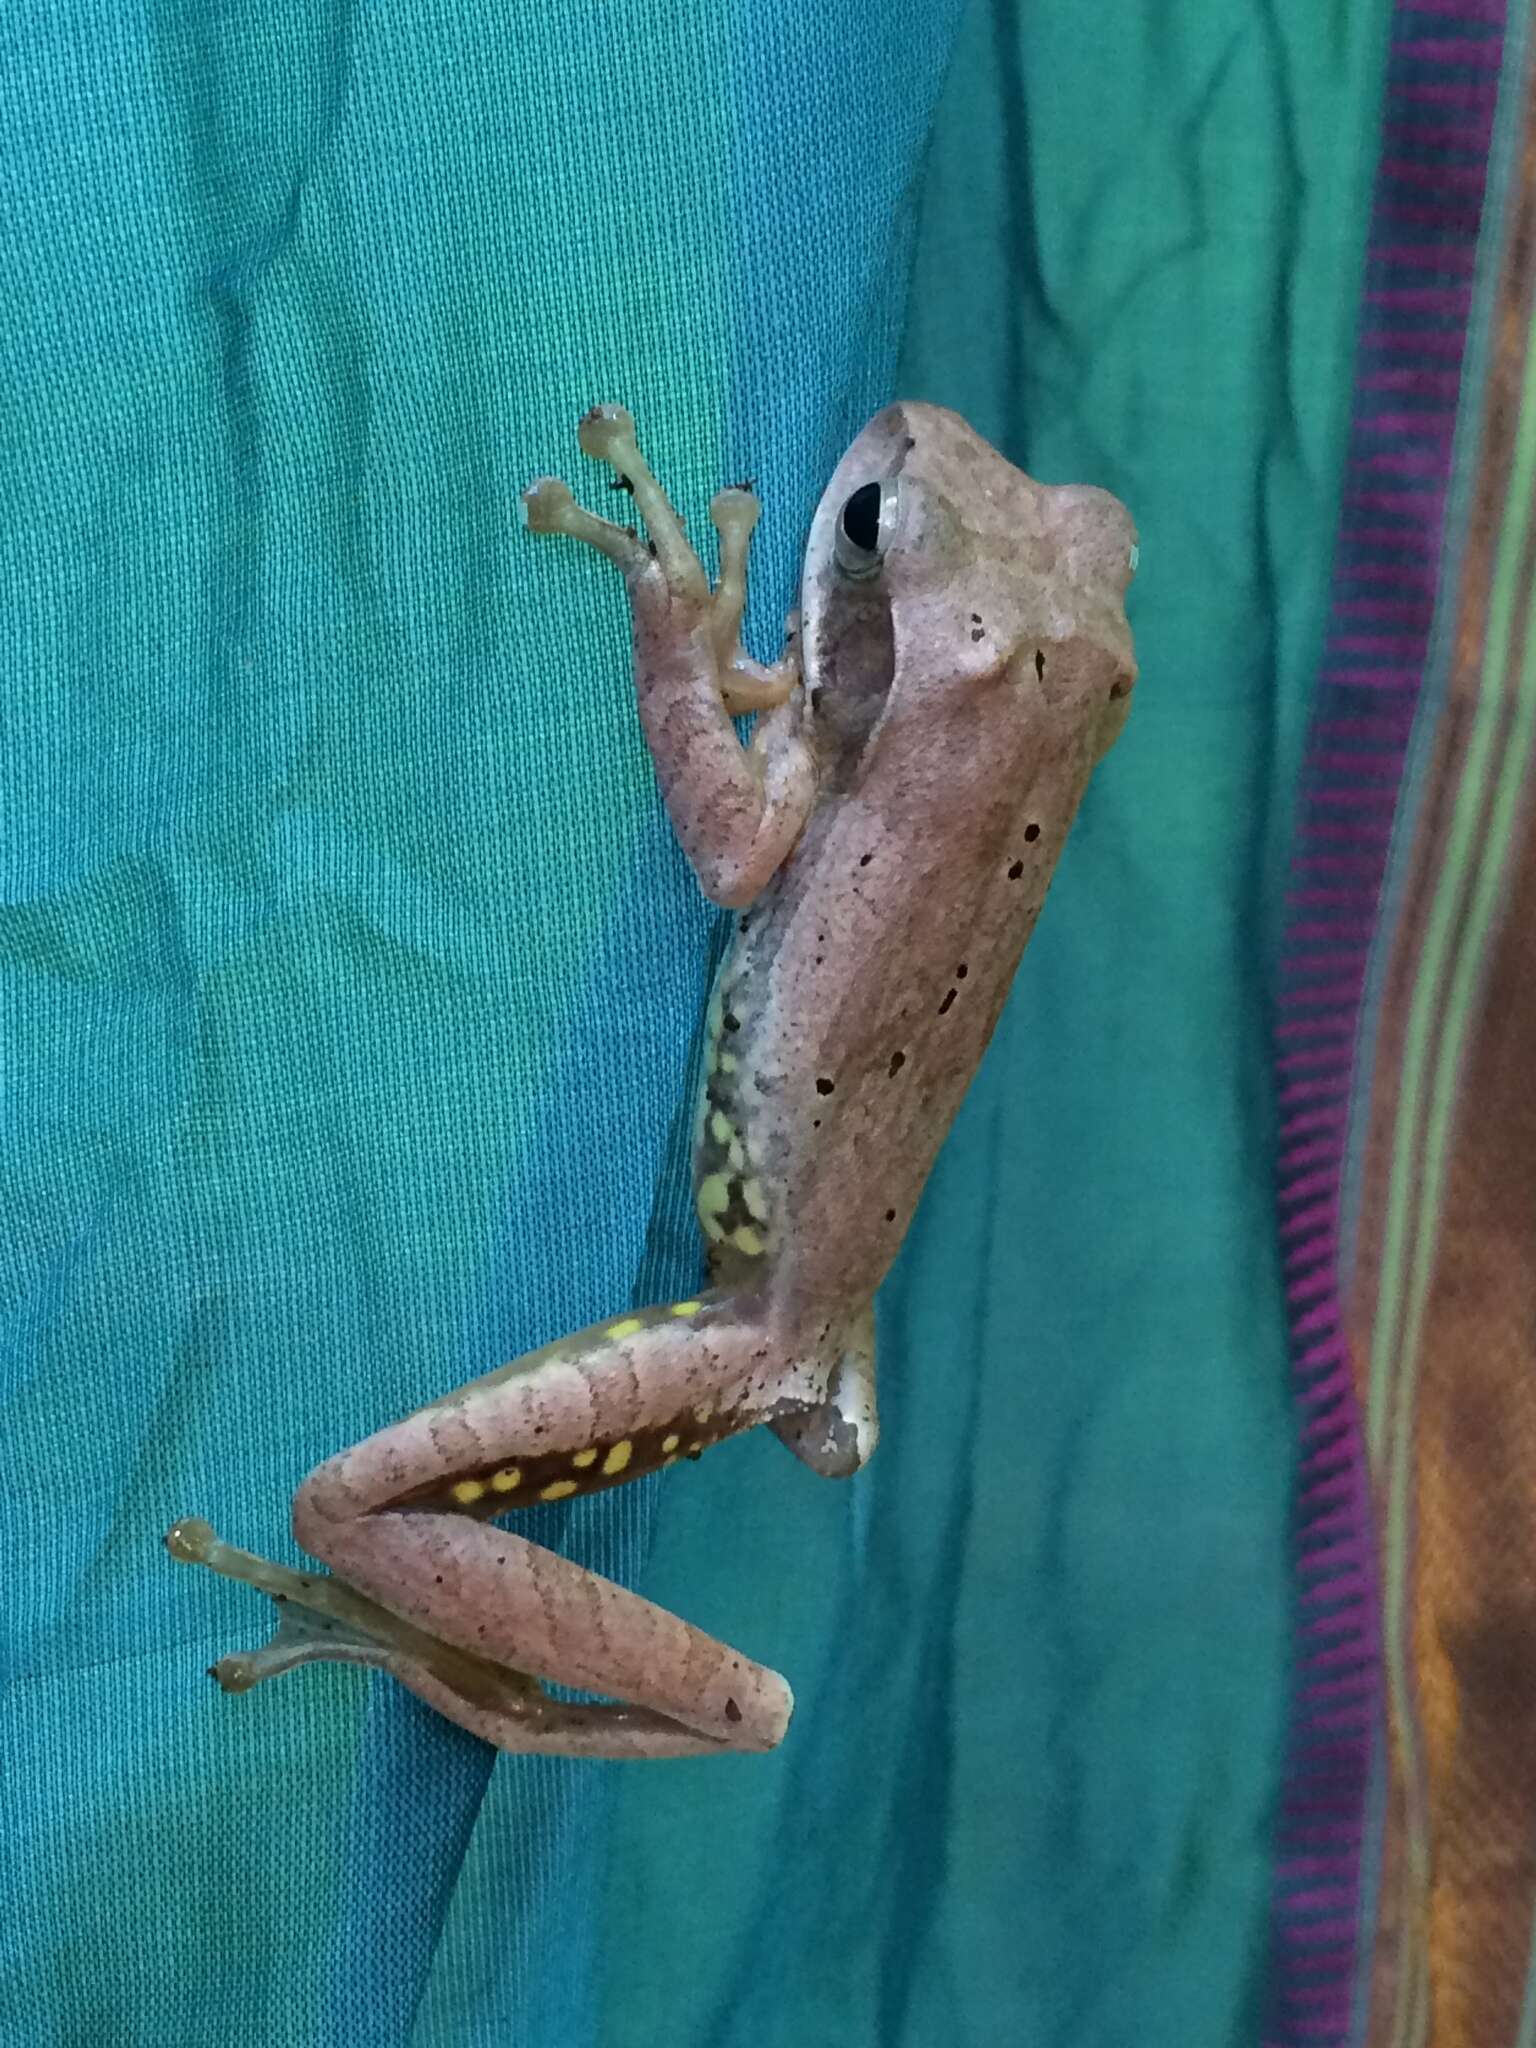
(959, 663)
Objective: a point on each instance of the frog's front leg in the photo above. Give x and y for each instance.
(736, 810)
(467, 1613)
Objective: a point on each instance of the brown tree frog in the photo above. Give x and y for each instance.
(885, 840)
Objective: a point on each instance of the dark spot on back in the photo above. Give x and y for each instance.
(732, 1711)
(1039, 664)
(948, 1000)
(731, 1021)
(823, 1085)
(865, 859)
(961, 971)
(1031, 833)
(898, 1061)
(1015, 871)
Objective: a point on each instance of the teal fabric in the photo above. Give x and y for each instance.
(351, 976)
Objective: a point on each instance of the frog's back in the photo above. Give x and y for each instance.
(847, 1021)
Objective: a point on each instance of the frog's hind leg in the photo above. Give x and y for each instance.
(463, 1611)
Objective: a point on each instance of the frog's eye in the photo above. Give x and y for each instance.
(865, 526)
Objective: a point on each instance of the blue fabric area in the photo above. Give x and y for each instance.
(351, 976)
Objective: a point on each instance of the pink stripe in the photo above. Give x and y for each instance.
(1366, 797)
(1294, 1156)
(1417, 462)
(1338, 960)
(1320, 1059)
(1393, 725)
(1420, 298)
(1423, 423)
(1473, 51)
(1319, 1088)
(1310, 1120)
(1316, 1030)
(1319, 863)
(1402, 540)
(1328, 1419)
(1406, 679)
(1313, 1254)
(1315, 1217)
(1417, 610)
(1442, 383)
(1436, 177)
(1423, 255)
(1408, 500)
(1419, 576)
(1320, 899)
(1377, 758)
(1376, 643)
(1314, 930)
(1481, 94)
(1309, 1290)
(1360, 832)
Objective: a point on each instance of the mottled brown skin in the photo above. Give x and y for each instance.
(888, 838)
(880, 955)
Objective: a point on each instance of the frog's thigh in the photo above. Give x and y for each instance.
(487, 1590)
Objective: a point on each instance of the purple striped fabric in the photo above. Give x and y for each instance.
(1441, 89)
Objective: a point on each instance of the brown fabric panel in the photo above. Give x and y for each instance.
(1475, 1586)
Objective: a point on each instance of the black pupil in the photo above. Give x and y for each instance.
(861, 517)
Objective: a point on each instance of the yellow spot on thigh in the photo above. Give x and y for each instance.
(584, 1458)
(703, 1412)
(504, 1480)
(468, 1491)
(737, 1155)
(746, 1239)
(686, 1308)
(670, 1443)
(695, 1447)
(720, 1128)
(557, 1489)
(618, 1457)
(752, 1194)
(630, 1327)
(713, 1197)
(727, 1063)
(671, 1460)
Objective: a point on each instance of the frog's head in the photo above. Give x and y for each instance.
(935, 569)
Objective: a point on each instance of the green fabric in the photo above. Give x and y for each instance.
(350, 978)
